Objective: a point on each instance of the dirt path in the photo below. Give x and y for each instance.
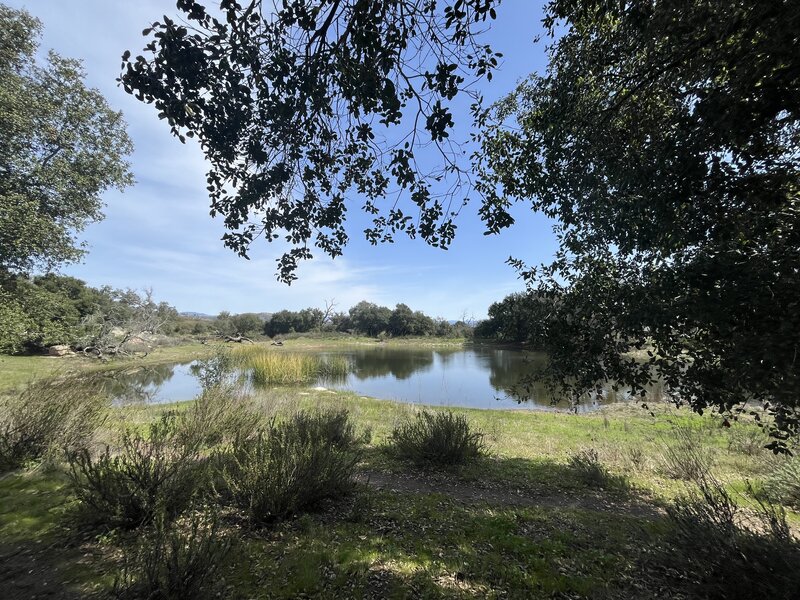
(30, 571)
(469, 493)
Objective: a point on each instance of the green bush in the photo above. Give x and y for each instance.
(174, 562)
(292, 465)
(783, 484)
(220, 414)
(687, 457)
(726, 555)
(441, 438)
(587, 467)
(747, 438)
(148, 476)
(48, 416)
(214, 370)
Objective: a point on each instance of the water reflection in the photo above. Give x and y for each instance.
(153, 384)
(399, 363)
(474, 377)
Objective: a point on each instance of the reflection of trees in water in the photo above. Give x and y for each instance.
(137, 385)
(446, 355)
(400, 363)
(516, 375)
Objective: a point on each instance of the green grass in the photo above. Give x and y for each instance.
(31, 506)
(328, 341)
(395, 546)
(415, 546)
(555, 534)
(16, 371)
(275, 367)
(530, 450)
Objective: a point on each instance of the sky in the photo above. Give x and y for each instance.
(158, 233)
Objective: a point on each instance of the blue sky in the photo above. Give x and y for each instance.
(158, 234)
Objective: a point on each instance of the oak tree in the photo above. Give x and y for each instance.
(664, 138)
(61, 147)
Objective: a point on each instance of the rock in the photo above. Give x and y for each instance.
(60, 350)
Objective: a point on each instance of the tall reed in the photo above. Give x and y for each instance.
(276, 367)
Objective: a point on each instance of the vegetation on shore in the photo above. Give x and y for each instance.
(15, 371)
(270, 367)
(543, 504)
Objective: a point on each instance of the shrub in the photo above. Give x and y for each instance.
(747, 439)
(441, 438)
(221, 413)
(637, 458)
(292, 465)
(686, 457)
(150, 475)
(783, 484)
(587, 467)
(174, 562)
(48, 416)
(728, 556)
(215, 370)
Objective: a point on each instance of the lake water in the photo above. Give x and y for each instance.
(473, 377)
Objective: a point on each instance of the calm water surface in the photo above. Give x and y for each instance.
(473, 378)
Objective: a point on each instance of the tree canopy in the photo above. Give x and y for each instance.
(42, 311)
(520, 318)
(61, 147)
(287, 321)
(303, 108)
(665, 140)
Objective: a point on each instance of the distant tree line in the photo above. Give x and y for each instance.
(519, 318)
(47, 310)
(365, 318)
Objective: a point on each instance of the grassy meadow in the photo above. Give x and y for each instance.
(16, 371)
(554, 505)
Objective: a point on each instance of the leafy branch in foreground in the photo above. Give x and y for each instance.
(301, 107)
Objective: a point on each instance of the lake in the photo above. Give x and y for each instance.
(476, 377)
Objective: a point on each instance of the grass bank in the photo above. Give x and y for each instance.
(332, 341)
(561, 505)
(16, 371)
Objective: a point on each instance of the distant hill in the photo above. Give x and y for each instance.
(197, 315)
